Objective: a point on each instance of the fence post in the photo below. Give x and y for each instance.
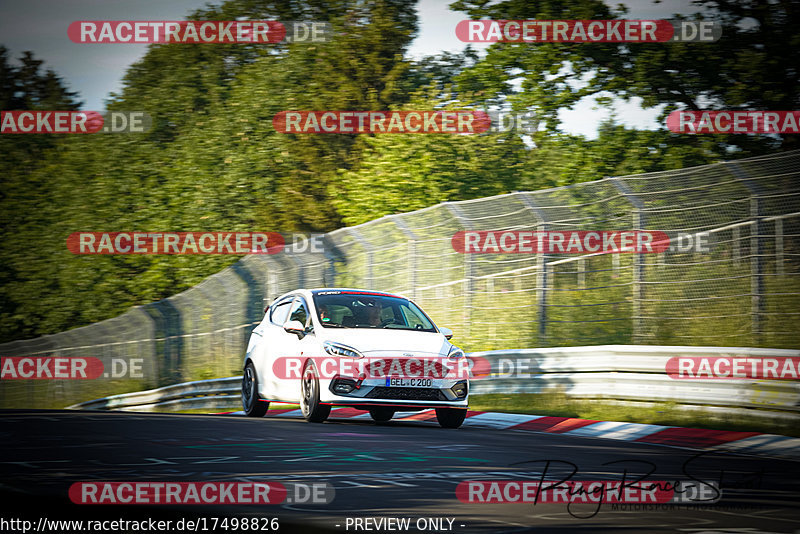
(169, 327)
(412, 252)
(237, 313)
(543, 270)
(250, 271)
(271, 289)
(368, 251)
(736, 245)
(469, 268)
(215, 329)
(300, 267)
(333, 255)
(757, 304)
(638, 259)
(582, 273)
(779, 246)
(145, 330)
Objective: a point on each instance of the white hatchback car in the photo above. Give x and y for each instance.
(358, 348)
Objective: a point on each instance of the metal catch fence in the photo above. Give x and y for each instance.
(743, 290)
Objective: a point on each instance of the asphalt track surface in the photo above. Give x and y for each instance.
(399, 469)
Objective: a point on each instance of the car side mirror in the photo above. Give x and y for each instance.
(295, 327)
(448, 334)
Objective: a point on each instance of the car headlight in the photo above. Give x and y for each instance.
(460, 389)
(338, 349)
(455, 353)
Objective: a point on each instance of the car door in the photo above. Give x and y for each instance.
(271, 337)
(295, 347)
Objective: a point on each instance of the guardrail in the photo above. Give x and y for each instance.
(608, 372)
(214, 393)
(635, 373)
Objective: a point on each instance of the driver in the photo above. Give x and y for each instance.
(374, 310)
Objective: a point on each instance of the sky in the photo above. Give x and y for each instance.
(95, 70)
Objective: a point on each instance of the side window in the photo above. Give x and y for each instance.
(299, 312)
(279, 312)
(388, 314)
(414, 320)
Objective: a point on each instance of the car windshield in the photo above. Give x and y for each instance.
(352, 309)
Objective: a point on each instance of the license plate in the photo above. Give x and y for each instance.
(410, 382)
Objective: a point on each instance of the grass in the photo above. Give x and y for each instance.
(236, 407)
(557, 404)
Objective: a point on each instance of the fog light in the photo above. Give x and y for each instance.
(460, 389)
(343, 386)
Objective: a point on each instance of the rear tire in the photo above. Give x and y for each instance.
(450, 417)
(313, 411)
(381, 415)
(252, 404)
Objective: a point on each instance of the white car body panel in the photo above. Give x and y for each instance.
(269, 341)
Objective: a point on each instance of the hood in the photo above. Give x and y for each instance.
(368, 340)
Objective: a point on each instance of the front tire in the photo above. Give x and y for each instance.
(381, 415)
(253, 406)
(313, 411)
(450, 417)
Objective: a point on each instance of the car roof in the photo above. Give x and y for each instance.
(343, 290)
(353, 291)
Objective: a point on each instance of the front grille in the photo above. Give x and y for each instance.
(425, 394)
(421, 367)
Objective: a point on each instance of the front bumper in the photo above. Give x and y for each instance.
(386, 392)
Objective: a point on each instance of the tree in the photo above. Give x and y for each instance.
(618, 151)
(753, 66)
(404, 172)
(24, 191)
(212, 162)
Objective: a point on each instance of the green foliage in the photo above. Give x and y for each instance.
(214, 162)
(557, 404)
(211, 162)
(401, 173)
(753, 66)
(618, 151)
